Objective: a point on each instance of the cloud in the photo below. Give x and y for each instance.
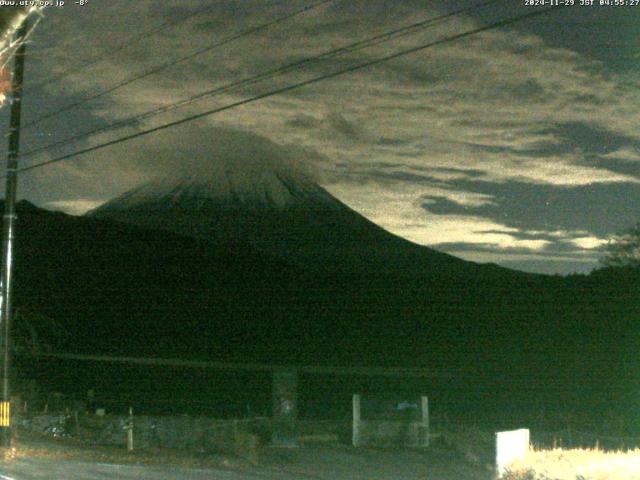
(461, 198)
(438, 107)
(590, 209)
(589, 243)
(483, 141)
(411, 221)
(196, 150)
(626, 153)
(531, 262)
(203, 151)
(73, 207)
(333, 127)
(485, 221)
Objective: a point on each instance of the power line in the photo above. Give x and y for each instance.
(369, 42)
(166, 65)
(122, 46)
(294, 86)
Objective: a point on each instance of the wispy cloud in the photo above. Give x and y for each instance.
(630, 154)
(73, 207)
(508, 107)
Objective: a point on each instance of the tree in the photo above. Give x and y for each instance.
(623, 250)
(11, 18)
(36, 333)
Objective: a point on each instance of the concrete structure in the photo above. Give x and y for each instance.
(510, 446)
(391, 432)
(285, 382)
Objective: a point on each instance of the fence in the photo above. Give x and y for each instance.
(200, 434)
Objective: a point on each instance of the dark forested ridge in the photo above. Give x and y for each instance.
(113, 288)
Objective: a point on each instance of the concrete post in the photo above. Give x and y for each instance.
(425, 422)
(285, 407)
(355, 436)
(130, 431)
(6, 284)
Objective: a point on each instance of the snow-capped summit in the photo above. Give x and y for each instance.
(267, 201)
(281, 211)
(223, 187)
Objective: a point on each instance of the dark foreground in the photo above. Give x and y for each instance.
(55, 460)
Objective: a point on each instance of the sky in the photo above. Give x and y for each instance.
(519, 145)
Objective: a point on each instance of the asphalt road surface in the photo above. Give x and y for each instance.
(46, 468)
(301, 464)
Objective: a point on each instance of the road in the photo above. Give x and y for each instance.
(46, 468)
(299, 464)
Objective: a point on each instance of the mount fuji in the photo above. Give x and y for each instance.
(267, 266)
(280, 212)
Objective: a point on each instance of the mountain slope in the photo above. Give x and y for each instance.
(117, 289)
(284, 214)
(123, 289)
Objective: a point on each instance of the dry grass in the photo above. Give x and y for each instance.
(577, 464)
(32, 445)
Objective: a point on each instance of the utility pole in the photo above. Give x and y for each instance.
(8, 236)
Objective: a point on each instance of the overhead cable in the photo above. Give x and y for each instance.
(294, 86)
(352, 47)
